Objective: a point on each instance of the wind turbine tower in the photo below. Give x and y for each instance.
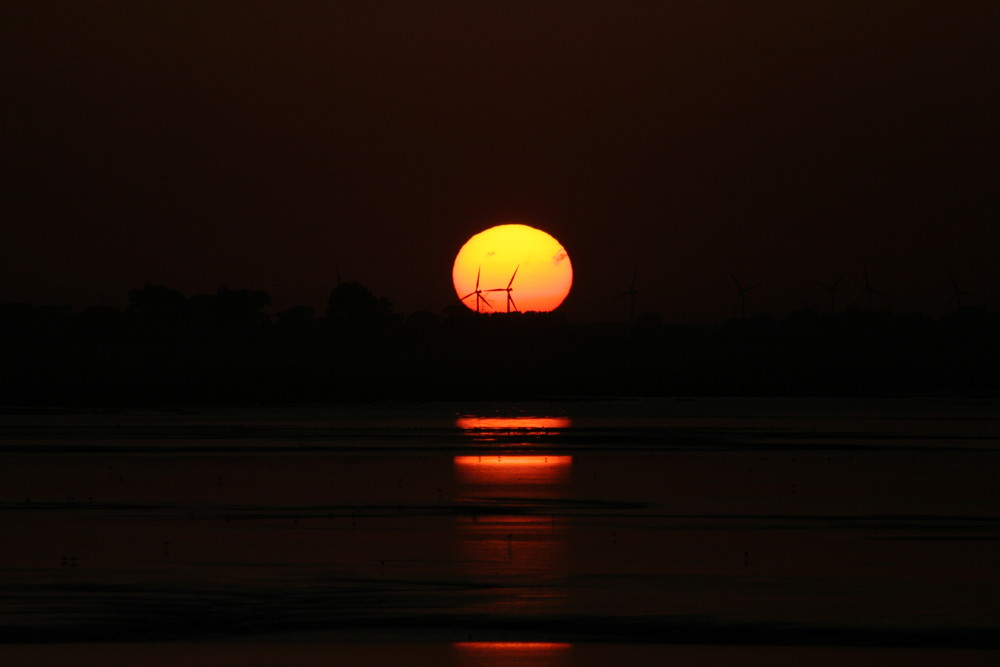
(833, 287)
(868, 291)
(956, 292)
(480, 299)
(741, 296)
(507, 289)
(633, 302)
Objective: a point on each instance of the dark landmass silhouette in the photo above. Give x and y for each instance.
(224, 348)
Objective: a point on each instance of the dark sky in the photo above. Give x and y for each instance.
(262, 144)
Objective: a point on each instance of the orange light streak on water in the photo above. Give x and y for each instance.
(504, 470)
(501, 461)
(548, 654)
(529, 424)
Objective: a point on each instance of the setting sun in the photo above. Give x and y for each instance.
(512, 268)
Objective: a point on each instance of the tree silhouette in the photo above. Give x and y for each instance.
(158, 303)
(297, 317)
(353, 306)
(230, 310)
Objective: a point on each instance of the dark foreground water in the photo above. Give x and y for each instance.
(757, 531)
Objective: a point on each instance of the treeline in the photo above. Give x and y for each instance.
(224, 347)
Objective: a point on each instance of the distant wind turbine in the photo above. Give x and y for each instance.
(741, 297)
(956, 292)
(868, 291)
(833, 287)
(633, 302)
(507, 289)
(478, 293)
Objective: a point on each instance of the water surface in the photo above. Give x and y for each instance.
(518, 532)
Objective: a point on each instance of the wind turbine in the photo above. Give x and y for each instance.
(868, 290)
(956, 292)
(479, 293)
(741, 297)
(633, 301)
(833, 287)
(507, 289)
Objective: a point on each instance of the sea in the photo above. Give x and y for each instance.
(696, 531)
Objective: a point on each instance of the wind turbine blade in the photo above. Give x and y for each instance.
(837, 281)
(467, 296)
(478, 271)
(954, 283)
(513, 275)
(510, 299)
(735, 281)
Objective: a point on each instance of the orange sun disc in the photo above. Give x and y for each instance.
(510, 268)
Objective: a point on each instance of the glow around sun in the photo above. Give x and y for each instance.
(511, 268)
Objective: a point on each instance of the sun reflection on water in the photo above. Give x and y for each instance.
(501, 471)
(486, 429)
(513, 539)
(513, 653)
